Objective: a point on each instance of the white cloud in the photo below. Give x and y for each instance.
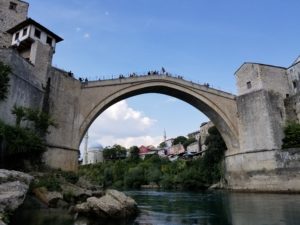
(129, 141)
(86, 35)
(121, 124)
(78, 29)
(171, 100)
(106, 13)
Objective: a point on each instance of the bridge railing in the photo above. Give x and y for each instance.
(126, 78)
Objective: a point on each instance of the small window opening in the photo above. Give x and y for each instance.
(17, 36)
(249, 85)
(37, 33)
(25, 31)
(12, 6)
(295, 84)
(49, 40)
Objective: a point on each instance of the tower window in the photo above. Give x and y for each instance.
(37, 33)
(249, 85)
(25, 31)
(49, 40)
(12, 6)
(294, 84)
(17, 36)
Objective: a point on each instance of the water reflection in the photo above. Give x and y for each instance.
(205, 208)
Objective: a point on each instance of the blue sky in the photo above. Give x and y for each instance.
(202, 40)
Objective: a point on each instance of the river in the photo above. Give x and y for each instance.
(171, 208)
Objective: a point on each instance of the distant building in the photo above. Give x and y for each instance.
(95, 154)
(204, 133)
(195, 135)
(169, 142)
(149, 150)
(193, 148)
(176, 149)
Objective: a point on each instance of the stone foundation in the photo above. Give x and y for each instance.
(264, 170)
(62, 158)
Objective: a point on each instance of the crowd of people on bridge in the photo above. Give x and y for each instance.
(162, 72)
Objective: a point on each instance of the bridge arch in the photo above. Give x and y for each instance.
(218, 106)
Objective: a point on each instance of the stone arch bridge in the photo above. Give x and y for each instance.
(87, 100)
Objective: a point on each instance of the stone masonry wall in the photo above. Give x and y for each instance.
(25, 89)
(261, 118)
(64, 108)
(273, 170)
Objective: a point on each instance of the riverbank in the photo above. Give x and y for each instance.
(63, 191)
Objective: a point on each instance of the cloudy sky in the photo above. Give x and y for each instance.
(202, 40)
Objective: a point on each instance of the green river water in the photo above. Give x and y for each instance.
(171, 208)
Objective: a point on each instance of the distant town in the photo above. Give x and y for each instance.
(192, 146)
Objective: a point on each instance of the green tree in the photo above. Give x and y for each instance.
(214, 155)
(19, 113)
(4, 80)
(162, 145)
(291, 135)
(179, 140)
(134, 153)
(115, 152)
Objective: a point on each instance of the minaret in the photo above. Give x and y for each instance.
(85, 154)
(165, 135)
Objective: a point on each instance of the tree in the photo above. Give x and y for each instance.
(134, 153)
(292, 135)
(20, 114)
(214, 155)
(162, 145)
(179, 140)
(114, 152)
(4, 80)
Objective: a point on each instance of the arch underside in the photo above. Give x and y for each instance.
(214, 112)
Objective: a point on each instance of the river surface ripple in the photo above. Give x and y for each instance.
(172, 208)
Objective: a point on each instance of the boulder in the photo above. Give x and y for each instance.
(47, 197)
(113, 205)
(77, 193)
(11, 175)
(13, 188)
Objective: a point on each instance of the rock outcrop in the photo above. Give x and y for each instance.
(50, 198)
(13, 188)
(113, 205)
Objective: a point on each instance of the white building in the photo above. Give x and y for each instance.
(95, 154)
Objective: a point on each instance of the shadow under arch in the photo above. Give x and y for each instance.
(213, 111)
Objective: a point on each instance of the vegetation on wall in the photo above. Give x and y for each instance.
(24, 142)
(4, 80)
(292, 135)
(133, 172)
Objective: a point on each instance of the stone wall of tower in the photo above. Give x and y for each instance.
(10, 17)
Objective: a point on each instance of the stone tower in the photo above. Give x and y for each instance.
(34, 42)
(12, 12)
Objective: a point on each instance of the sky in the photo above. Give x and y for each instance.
(204, 41)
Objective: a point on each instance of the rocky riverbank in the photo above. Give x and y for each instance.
(55, 190)
(13, 189)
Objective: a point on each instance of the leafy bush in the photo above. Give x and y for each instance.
(4, 80)
(292, 135)
(48, 181)
(70, 176)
